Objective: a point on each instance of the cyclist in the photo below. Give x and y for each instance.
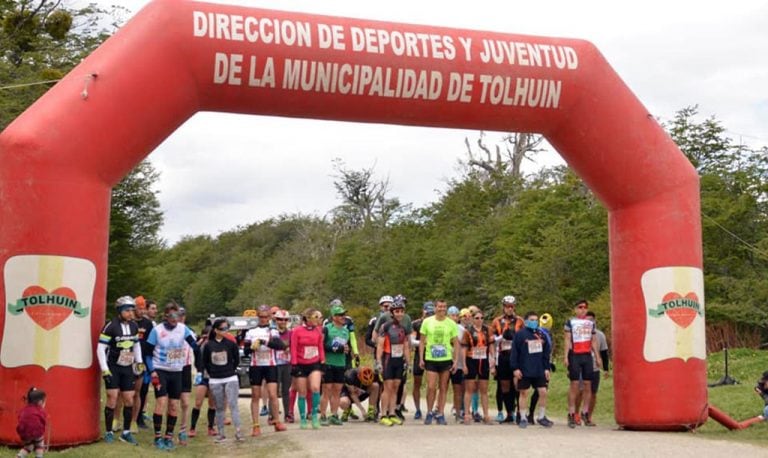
(283, 360)
(479, 363)
(360, 384)
(438, 350)
(427, 310)
(186, 382)
(336, 343)
(457, 377)
(408, 326)
(580, 344)
(504, 328)
(220, 358)
(117, 351)
(261, 343)
(370, 338)
(307, 359)
(202, 391)
(531, 353)
(166, 343)
(392, 355)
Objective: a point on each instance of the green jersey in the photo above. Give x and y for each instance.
(334, 341)
(439, 335)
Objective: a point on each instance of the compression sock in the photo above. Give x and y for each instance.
(400, 392)
(315, 403)
(302, 408)
(509, 403)
(211, 417)
(291, 400)
(109, 415)
(157, 420)
(499, 397)
(195, 416)
(127, 414)
(170, 425)
(475, 401)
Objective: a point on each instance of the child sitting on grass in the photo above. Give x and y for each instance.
(32, 423)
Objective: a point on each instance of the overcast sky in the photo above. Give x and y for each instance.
(672, 54)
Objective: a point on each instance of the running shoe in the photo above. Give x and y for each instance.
(169, 445)
(587, 419)
(531, 421)
(256, 431)
(386, 421)
(159, 443)
(315, 421)
(239, 436)
(345, 415)
(571, 421)
(211, 431)
(220, 439)
(509, 419)
(577, 418)
(127, 436)
(417, 415)
(289, 419)
(440, 420)
(428, 420)
(324, 421)
(395, 420)
(109, 437)
(500, 417)
(523, 423)
(476, 417)
(399, 414)
(517, 418)
(279, 427)
(334, 420)
(264, 411)
(192, 433)
(545, 422)
(303, 423)
(403, 409)
(183, 438)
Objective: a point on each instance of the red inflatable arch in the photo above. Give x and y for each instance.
(59, 160)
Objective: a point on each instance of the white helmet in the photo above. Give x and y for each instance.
(386, 299)
(509, 300)
(125, 300)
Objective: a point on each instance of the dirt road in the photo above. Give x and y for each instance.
(357, 438)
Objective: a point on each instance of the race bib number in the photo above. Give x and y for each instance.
(283, 355)
(534, 346)
(339, 342)
(480, 353)
(506, 345)
(311, 352)
(397, 351)
(438, 351)
(125, 358)
(176, 355)
(263, 356)
(219, 358)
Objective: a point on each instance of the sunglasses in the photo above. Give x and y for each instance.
(223, 329)
(281, 319)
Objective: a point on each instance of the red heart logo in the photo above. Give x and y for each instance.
(682, 316)
(48, 316)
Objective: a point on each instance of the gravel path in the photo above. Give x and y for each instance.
(415, 439)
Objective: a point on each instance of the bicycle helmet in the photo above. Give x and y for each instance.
(365, 375)
(386, 299)
(509, 300)
(336, 302)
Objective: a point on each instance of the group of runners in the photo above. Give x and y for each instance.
(316, 364)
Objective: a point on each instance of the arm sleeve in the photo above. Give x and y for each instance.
(604, 355)
(200, 362)
(101, 355)
(137, 356)
(149, 360)
(353, 343)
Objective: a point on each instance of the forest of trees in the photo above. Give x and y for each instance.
(494, 231)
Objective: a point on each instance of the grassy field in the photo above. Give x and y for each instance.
(739, 401)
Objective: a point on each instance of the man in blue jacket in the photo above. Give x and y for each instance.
(530, 362)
